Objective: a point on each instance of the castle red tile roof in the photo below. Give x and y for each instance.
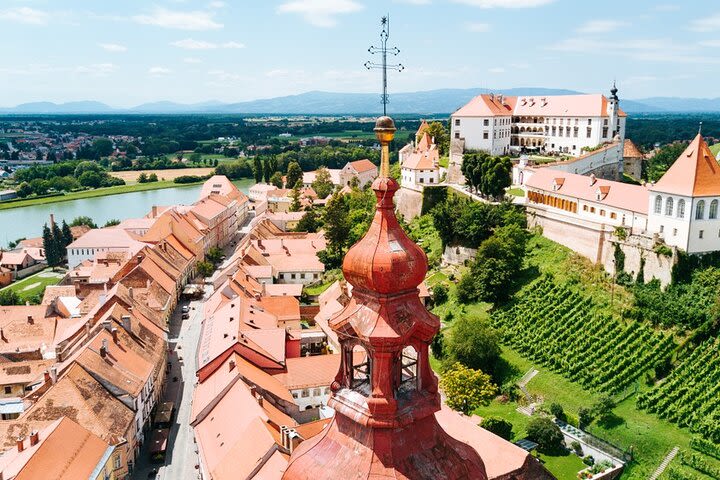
(582, 105)
(364, 165)
(695, 173)
(630, 150)
(486, 105)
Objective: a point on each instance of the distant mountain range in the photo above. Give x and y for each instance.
(429, 102)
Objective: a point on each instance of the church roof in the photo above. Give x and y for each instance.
(695, 173)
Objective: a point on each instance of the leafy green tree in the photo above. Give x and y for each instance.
(111, 223)
(8, 296)
(24, 190)
(499, 426)
(195, 157)
(309, 222)
(277, 180)
(90, 179)
(441, 135)
(87, 166)
(585, 417)
(214, 255)
(496, 265)
(439, 294)
(258, 169)
(294, 174)
(467, 389)
(336, 221)
(205, 269)
(474, 343)
(488, 175)
(142, 178)
(438, 346)
(604, 407)
(153, 177)
(546, 434)
(323, 184)
(102, 147)
(83, 220)
(39, 186)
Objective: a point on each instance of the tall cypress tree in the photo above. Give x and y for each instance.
(267, 172)
(258, 170)
(53, 254)
(66, 234)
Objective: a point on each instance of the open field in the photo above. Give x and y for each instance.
(131, 176)
(29, 287)
(715, 149)
(97, 192)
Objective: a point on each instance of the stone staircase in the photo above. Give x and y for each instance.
(666, 461)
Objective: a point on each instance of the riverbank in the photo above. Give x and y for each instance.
(97, 192)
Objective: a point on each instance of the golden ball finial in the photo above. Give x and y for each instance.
(385, 129)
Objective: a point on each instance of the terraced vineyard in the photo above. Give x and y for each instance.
(561, 330)
(690, 396)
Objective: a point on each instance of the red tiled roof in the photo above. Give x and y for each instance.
(364, 165)
(630, 150)
(696, 172)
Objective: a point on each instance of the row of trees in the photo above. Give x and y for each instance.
(55, 241)
(487, 175)
(63, 177)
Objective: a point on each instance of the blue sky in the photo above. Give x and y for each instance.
(128, 52)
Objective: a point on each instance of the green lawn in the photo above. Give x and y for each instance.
(715, 149)
(318, 289)
(444, 162)
(97, 192)
(34, 285)
(564, 467)
(517, 192)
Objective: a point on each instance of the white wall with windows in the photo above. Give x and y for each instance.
(417, 179)
(311, 397)
(490, 134)
(692, 224)
(298, 277)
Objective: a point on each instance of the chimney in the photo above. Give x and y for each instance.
(592, 179)
(53, 374)
(114, 332)
(30, 319)
(87, 328)
(2, 335)
(283, 437)
(52, 220)
(47, 379)
(147, 283)
(154, 211)
(293, 439)
(130, 292)
(105, 288)
(103, 348)
(138, 259)
(126, 321)
(34, 438)
(21, 444)
(231, 365)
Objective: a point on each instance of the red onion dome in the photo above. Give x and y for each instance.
(385, 260)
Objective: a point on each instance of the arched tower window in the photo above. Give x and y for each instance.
(712, 214)
(361, 370)
(658, 204)
(681, 209)
(669, 206)
(700, 210)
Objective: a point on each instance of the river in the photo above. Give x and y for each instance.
(28, 221)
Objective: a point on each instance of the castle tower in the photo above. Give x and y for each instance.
(613, 110)
(385, 395)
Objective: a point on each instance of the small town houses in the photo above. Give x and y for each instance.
(83, 371)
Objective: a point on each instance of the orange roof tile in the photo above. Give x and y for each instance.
(363, 165)
(630, 150)
(695, 173)
(485, 106)
(307, 372)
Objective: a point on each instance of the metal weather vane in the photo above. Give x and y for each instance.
(384, 51)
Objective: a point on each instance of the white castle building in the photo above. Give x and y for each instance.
(564, 124)
(583, 212)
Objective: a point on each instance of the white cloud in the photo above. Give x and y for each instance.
(192, 44)
(320, 13)
(191, 60)
(159, 71)
(477, 27)
(414, 2)
(496, 70)
(600, 26)
(647, 50)
(278, 72)
(192, 20)
(25, 15)
(706, 24)
(710, 43)
(505, 3)
(217, 4)
(667, 8)
(96, 69)
(112, 47)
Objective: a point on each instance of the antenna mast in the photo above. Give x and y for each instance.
(384, 51)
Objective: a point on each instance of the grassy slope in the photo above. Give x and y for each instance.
(649, 437)
(19, 287)
(715, 149)
(97, 192)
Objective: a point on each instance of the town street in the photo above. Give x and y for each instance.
(181, 458)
